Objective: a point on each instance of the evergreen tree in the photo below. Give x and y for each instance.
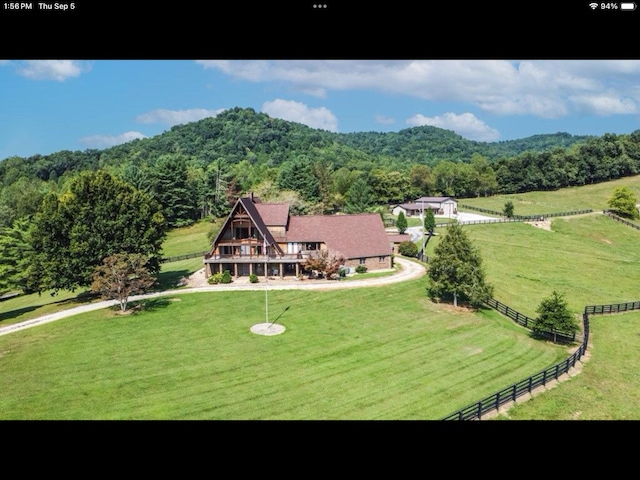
(554, 316)
(298, 175)
(456, 269)
(401, 223)
(508, 209)
(170, 186)
(359, 197)
(15, 255)
(429, 222)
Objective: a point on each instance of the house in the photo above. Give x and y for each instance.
(441, 206)
(265, 239)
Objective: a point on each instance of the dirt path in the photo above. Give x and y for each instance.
(197, 283)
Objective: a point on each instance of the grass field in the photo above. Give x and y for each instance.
(400, 356)
(593, 197)
(370, 353)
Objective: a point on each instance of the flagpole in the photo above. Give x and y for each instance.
(266, 284)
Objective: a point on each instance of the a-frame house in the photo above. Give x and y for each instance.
(264, 239)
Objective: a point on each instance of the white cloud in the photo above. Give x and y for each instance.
(384, 120)
(176, 117)
(105, 141)
(291, 111)
(59, 70)
(466, 125)
(545, 88)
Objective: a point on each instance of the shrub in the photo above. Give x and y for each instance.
(226, 277)
(253, 278)
(361, 269)
(342, 272)
(214, 279)
(408, 249)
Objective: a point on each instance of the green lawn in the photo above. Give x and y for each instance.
(370, 353)
(593, 197)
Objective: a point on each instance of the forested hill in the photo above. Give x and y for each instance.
(243, 134)
(199, 169)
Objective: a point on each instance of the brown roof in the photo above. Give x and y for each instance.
(273, 213)
(354, 236)
(398, 237)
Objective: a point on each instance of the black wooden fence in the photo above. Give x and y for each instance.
(184, 257)
(529, 322)
(525, 218)
(510, 394)
(615, 217)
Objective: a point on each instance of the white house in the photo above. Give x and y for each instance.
(441, 206)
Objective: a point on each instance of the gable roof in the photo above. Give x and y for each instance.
(273, 214)
(434, 199)
(252, 211)
(354, 236)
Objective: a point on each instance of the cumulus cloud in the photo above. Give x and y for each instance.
(105, 141)
(544, 88)
(291, 111)
(58, 70)
(176, 117)
(466, 125)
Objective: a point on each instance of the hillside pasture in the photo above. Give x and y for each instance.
(584, 197)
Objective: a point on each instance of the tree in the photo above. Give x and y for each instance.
(508, 209)
(15, 255)
(554, 316)
(99, 216)
(359, 197)
(401, 223)
(122, 275)
(325, 261)
(456, 269)
(429, 221)
(623, 202)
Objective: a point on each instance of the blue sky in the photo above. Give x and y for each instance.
(53, 105)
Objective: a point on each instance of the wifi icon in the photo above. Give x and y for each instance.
(593, 5)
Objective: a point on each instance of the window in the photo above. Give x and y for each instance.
(382, 259)
(363, 261)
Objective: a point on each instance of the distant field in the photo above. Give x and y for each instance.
(594, 197)
(593, 259)
(184, 240)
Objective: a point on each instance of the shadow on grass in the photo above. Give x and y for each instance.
(171, 279)
(80, 299)
(148, 304)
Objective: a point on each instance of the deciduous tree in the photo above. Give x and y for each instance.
(122, 275)
(99, 216)
(623, 202)
(325, 261)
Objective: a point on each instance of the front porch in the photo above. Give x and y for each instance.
(261, 265)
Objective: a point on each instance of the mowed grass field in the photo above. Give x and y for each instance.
(371, 353)
(368, 353)
(593, 197)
